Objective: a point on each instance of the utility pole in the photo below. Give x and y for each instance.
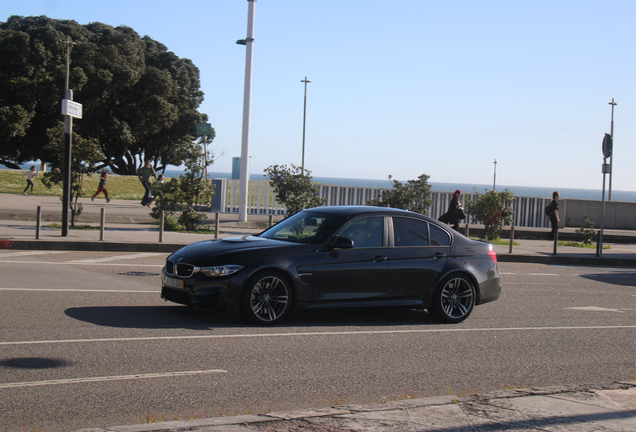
(494, 178)
(68, 133)
(302, 166)
(613, 104)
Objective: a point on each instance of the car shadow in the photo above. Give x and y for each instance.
(176, 316)
(34, 363)
(619, 278)
(152, 317)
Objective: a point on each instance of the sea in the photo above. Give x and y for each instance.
(526, 191)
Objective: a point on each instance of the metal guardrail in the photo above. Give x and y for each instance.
(528, 211)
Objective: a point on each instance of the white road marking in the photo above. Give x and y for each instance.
(82, 263)
(114, 258)
(107, 378)
(344, 333)
(595, 309)
(15, 254)
(78, 290)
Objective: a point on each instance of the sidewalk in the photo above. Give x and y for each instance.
(130, 228)
(563, 409)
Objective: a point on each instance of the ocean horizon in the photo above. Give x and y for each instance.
(524, 191)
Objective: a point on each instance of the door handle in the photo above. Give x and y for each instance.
(379, 258)
(439, 255)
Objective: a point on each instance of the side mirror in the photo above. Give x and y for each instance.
(340, 243)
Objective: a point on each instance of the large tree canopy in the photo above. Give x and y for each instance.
(139, 99)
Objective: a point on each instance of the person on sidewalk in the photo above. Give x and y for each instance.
(554, 216)
(30, 175)
(144, 177)
(102, 187)
(451, 217)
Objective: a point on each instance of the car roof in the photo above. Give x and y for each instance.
(355, 210)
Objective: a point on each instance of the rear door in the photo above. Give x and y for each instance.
(417, 255)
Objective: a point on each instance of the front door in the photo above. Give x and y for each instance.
(359, 273)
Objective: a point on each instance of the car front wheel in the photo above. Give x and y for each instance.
(454, 299)
(266, 299)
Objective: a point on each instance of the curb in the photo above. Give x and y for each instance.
(103, 246)
(90, 246)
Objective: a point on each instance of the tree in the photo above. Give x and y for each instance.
(182, 198)
(293, 188)
(86, 152)
(415, 195)
(139, 99)
(494, 210)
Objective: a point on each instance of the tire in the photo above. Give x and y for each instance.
(266, 299)
(454, 300)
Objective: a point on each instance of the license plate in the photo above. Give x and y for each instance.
(173, 283)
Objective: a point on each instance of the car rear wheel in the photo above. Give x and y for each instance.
(454, 299)
(266, 299)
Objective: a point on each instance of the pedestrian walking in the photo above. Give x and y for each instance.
(452, 216)
(102, 187)
(145, 173)
(553, 210)
(30, 175)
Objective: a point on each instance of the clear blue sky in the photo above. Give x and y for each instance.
(406, 87)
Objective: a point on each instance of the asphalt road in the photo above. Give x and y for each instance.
(85, 341)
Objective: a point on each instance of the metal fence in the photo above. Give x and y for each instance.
(528, 211)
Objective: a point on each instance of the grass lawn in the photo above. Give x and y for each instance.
(119, 187)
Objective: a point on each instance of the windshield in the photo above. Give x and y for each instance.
(304, 227)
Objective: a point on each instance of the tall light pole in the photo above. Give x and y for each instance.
(494, 178)
(302, 166)
(247, 96)
(613, 104)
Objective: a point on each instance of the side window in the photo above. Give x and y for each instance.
(410, 232)
(439, 237)
(365, 233)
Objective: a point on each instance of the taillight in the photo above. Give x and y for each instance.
(492, 254)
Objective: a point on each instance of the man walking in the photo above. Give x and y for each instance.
(144, 177)
(554, 215)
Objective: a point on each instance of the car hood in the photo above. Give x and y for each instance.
(233, 246)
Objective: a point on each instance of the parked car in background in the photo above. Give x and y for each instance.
(341, 256)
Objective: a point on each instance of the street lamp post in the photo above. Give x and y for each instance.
(494, 178)
(302, 166)
(613, 104)
(247, 95)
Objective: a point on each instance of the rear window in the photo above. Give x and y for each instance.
(410, 232)
(439, 237)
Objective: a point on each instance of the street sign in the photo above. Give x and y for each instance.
(204, 129)
(71, 108)
(607, 146)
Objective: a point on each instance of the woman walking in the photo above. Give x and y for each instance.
(102, 187)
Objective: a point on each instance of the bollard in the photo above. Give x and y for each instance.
(161, 227)
(467, 230)
(101, 225)
(598, 243)
(556, 239)
(38, 223)
(216, 225)
(271, 220)
(512, 237)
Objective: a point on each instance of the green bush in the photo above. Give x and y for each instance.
(586, 232)
(493, 210)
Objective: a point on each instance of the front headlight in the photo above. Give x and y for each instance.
(217, 271)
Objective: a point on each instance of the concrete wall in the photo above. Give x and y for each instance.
(618, 214)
